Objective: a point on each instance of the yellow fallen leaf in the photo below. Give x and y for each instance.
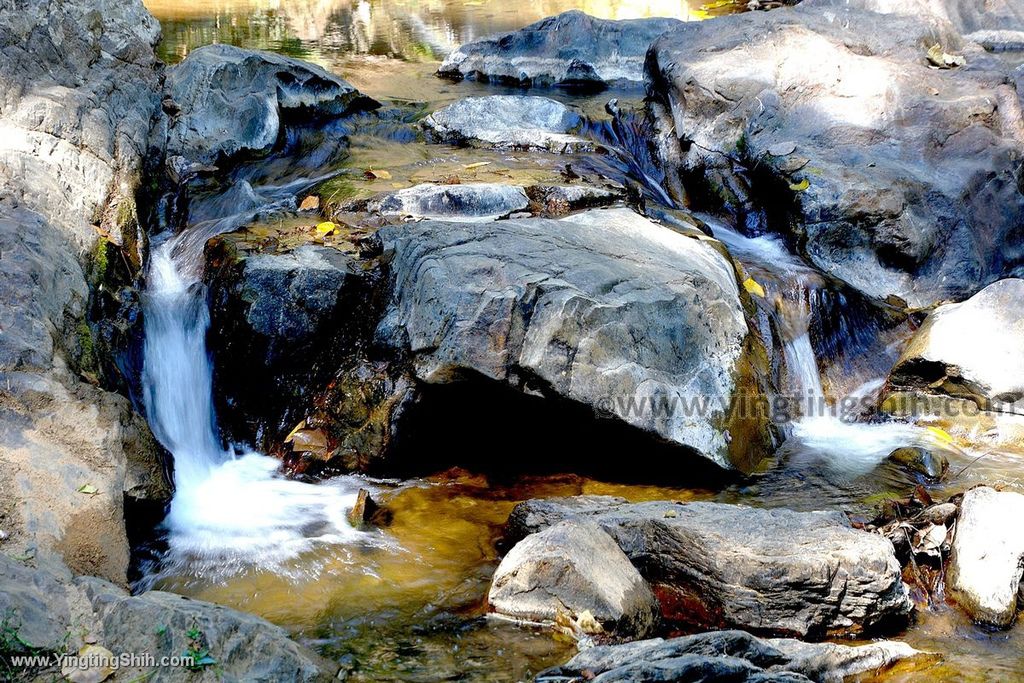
(88, 489)
(378, 174)
(752, 286)
(326, 228)
(477, 165)
(941, 434)
(801, 186)
(298, 428)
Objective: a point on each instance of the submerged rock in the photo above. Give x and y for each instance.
(557, 307)
(727, 655)
(574, 570)
(508, 121)
(232, 101)
(829, 120)
(922, 461)
(987, 558)
(570, 49)
(809, 574)
(462, 202)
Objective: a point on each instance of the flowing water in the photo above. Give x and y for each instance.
(406, 603)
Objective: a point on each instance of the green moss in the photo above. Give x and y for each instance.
(87, 361)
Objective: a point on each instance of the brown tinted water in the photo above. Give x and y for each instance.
(413, 609)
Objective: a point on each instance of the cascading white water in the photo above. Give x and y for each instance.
(229, 512)
(853, 448)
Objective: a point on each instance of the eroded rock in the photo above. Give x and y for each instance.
(233, 101)
(508, 121)
(987, 558)
(808, 574)
(570, 49)
(885, 171)
(572, 570)
(462, 202)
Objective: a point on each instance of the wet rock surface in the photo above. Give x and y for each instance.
(571, 49)
(231, 101)
(52, 612)
(574, 571)
(770, 571)
(508, 121)
(985, 566)
(556, 307)
(886, 172)
(727, 655)
(463, 202)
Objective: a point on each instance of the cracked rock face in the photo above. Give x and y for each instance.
(987, 558)
(899, 179)
(603, 308)
(807, 574)
(570, 49)
(232, 101)
(508, 121)
(570, 569)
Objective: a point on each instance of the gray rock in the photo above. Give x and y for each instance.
(567, 570)
(896, 167)
(232, 101)
(998, 40)
(931, 465)
(969, 350)
(728, 655)
(561, 304)
(245, 647)
(463, 202)
(987, 558)
(966, 16)
(54, 612)
(809, 574)
(79, 90)
(508, 121)
(570, 49)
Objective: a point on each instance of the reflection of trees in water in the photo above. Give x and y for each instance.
(404, 29)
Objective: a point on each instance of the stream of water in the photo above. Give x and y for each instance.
(407, 603)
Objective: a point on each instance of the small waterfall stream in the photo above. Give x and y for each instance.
(825, 428)
(230, 511)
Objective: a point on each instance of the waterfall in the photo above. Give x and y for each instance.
(229, 512)
(821, 428)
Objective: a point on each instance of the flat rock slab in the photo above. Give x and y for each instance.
(508, 121)
(468, 202)
(889, 171)
(570, 49)
(232, 100)
(571, 569)
(727, 656)
(987, 558)
(596, 308)
(808, 574)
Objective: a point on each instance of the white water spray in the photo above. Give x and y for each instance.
(228, 512)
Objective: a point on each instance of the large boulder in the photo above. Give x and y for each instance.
(987, 556)
(828, 122)
(508, 121)
(807, 574)
(234, 101)
(570, 49)
(80, 91)
(573, 570)
(967, 16)
(560, 308)
(728, 656)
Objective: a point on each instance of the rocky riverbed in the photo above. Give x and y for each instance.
(582, 323)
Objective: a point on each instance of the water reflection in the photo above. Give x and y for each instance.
(409, 30)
